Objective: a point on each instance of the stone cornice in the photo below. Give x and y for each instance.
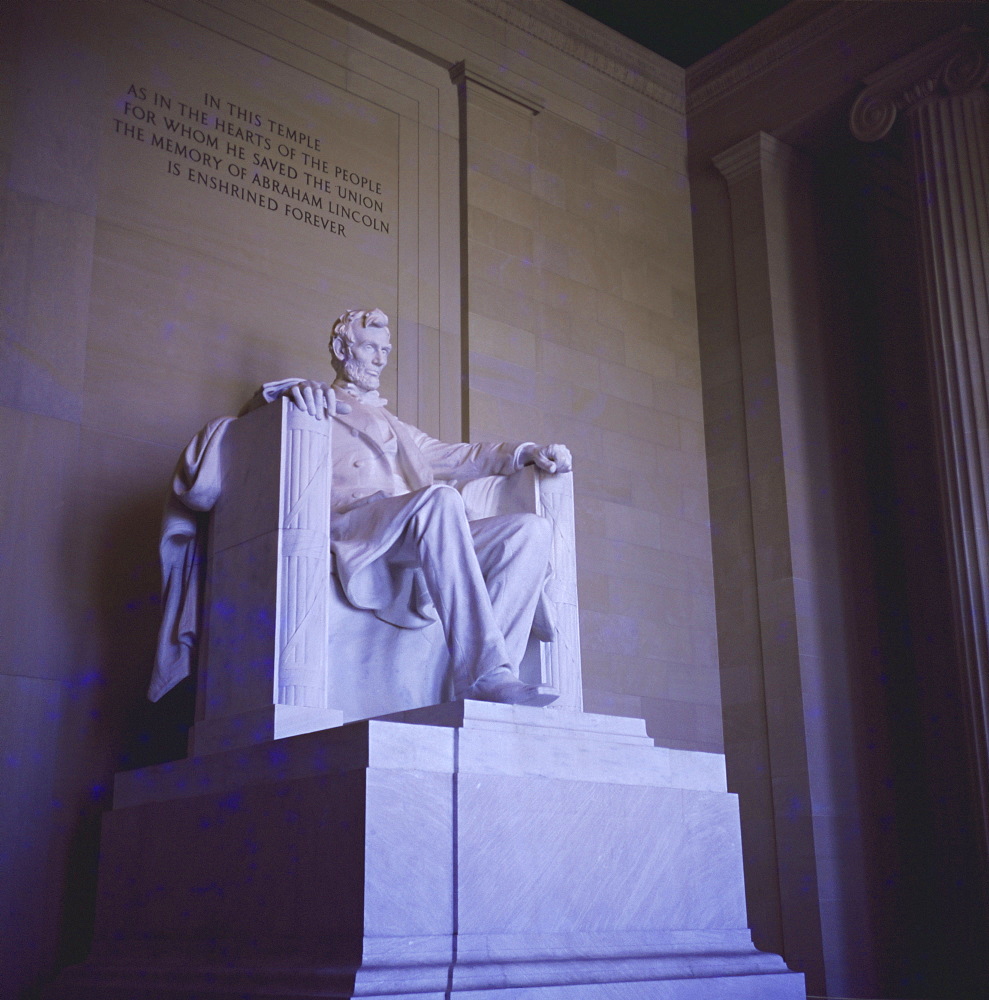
(782, 36)
(956, 63)
(581, 37)
(752, 154)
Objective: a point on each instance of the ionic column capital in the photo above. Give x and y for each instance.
(955, 64)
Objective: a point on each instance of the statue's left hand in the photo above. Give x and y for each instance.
(551, 457)
(317, 399)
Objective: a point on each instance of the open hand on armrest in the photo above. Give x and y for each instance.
(317, 399)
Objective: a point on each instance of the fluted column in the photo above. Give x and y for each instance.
(940, 91)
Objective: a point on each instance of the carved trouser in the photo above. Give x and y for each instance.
(484, 578)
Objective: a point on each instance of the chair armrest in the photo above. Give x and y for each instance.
(265, 659)
(493, 495)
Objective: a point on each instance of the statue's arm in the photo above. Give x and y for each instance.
(464, 462)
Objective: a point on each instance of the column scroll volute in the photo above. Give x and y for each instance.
(956, 63)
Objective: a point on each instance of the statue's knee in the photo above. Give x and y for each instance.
(538, 529)
(445, 499)
(545, 530)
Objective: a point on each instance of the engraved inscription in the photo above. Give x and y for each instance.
(223, 147)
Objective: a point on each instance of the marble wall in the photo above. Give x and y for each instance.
(581, 328)
(516, 178)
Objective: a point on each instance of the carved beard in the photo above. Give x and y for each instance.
(366, 377)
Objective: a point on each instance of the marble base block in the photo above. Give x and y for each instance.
(464, 850)
(273, 722)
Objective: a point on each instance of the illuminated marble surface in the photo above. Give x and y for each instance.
(451, 850)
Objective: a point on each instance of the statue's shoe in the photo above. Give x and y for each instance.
(502, 686)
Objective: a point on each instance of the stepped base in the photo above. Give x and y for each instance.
(463, 850)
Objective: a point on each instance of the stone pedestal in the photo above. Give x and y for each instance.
(464, 850)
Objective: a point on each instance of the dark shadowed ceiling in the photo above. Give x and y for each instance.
(680, 30)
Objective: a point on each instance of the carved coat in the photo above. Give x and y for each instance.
(382, 468)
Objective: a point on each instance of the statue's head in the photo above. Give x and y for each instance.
(360, 346)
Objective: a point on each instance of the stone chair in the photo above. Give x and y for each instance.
(283, 652)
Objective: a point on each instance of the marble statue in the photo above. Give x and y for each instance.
(403, 546)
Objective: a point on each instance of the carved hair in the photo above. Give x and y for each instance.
(346, 327)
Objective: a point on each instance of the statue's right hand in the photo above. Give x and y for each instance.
(317, 399)
(312, 397)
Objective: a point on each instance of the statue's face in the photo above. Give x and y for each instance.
(364, 359)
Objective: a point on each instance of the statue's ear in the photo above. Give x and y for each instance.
(337, 348)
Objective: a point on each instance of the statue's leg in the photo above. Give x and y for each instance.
(482, 665)
(444, 548)
(513, 552)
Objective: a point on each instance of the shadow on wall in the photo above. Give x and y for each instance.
(128, 609)
(110, 725)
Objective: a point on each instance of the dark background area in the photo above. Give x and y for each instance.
(682, 31)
